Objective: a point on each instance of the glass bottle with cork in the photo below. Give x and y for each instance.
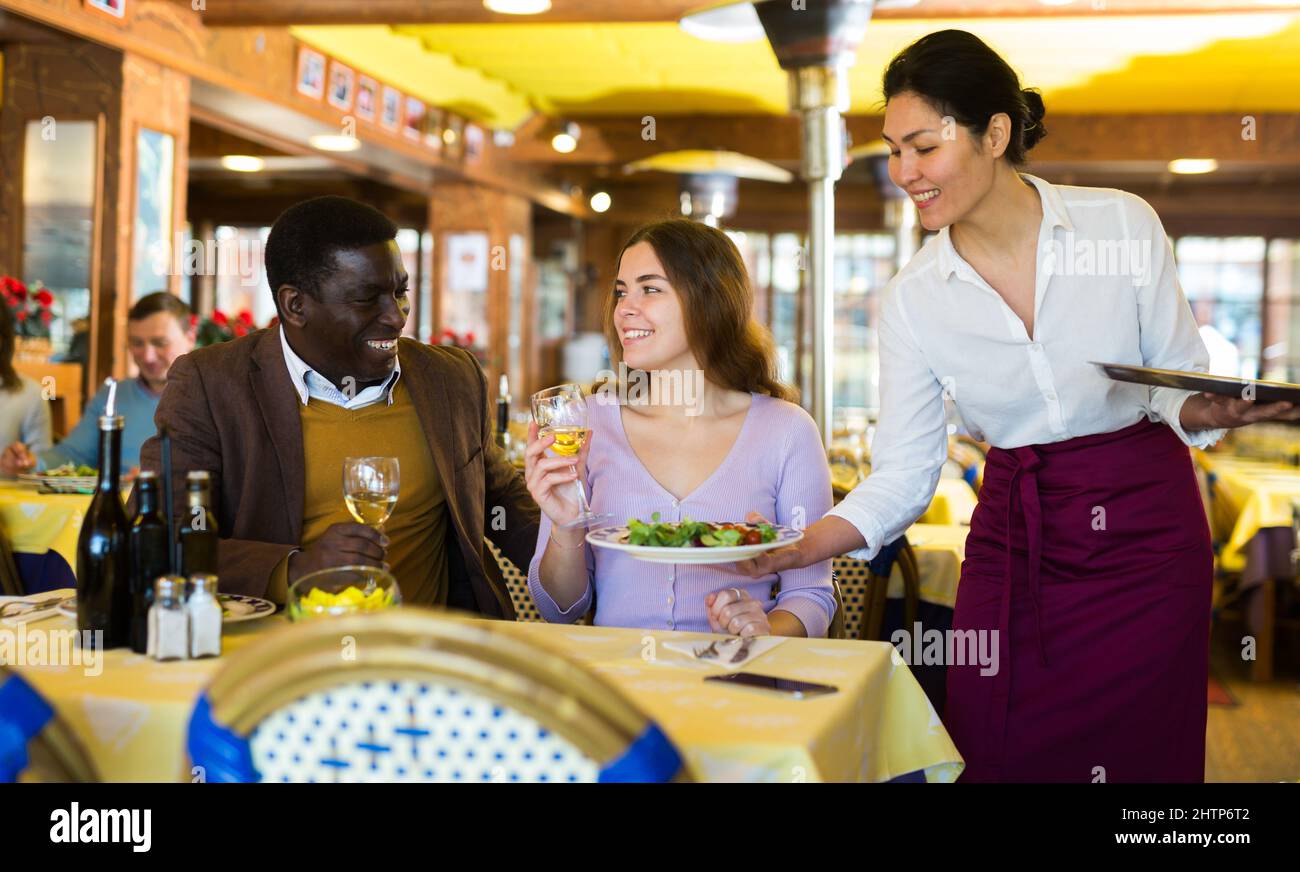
(103, 551)
(199, 536)
(150, 546)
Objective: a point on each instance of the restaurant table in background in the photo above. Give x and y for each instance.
(940, 550)
(1250, 504)
(132, 718)
(954, 503)
(43, 531)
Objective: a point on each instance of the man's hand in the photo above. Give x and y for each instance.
(17, 459)
(342, 545)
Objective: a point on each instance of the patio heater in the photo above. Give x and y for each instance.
(815, 42)
(710, 179)
(901, 216)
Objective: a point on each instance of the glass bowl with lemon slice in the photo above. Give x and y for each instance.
(342, 590)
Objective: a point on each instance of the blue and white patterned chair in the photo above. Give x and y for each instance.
(417, 695)
(35, 745)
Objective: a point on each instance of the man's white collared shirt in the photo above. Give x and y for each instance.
(310, 384)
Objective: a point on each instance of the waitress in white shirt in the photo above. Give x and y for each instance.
(1089, 554)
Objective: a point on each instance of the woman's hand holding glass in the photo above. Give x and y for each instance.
(551, 479)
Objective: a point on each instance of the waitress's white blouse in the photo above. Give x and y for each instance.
(1106, 289)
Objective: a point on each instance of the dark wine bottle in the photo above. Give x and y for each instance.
(103, 551)
(149, 553)
(199, 533)
(503, 413)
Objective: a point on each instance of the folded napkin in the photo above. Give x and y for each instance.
(726, 649)
(25, 615)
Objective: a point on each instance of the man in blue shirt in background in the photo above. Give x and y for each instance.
(158, 331)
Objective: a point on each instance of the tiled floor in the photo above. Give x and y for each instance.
(1259, 739)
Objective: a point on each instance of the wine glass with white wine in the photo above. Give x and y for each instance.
(370, 486)
(561, 412)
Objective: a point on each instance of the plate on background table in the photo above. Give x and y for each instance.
(235, 607)
(615, 539)
(60, 484)
(1201, 382)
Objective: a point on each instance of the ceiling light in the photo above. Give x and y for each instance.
(334, 142)
(243, 163)
(517, 7)
(567, 139)
(449, 136)
(1188, 166)
(600, 201)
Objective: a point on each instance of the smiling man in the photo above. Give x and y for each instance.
(273, 415)
(158, 330)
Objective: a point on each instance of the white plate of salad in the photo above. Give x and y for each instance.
(693, 542)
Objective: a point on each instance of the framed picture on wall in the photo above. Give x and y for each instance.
(392, 109)
(473, 143)
(342, 86)
(114, 9)
(311, 73)
(413, 126)
(433, 128)
(367, 97)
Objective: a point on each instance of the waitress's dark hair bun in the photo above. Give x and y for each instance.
(957, 74)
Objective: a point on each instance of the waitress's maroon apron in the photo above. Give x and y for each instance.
(1091, 558)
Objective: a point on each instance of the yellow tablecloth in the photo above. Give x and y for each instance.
(1247, 495)
(36, 522)
(940, 550)
(954, 502)
(133, 717)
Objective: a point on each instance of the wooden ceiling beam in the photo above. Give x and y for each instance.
(264, 13)
(615, 141)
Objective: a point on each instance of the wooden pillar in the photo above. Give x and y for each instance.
(153, 98)
(468, 208)
(56, 78)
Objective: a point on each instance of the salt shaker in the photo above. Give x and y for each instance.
(204, 612)
(168, 623)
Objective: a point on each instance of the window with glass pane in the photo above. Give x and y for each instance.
(151, 241)
(425, 309)
(58, 222)
(787, 277)
(755, 252)
(864, 263)
(1223, 279)
(241, 275)
(465, 288)
(1282, 339)
(408, 243)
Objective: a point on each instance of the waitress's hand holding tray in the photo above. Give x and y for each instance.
(1223, 401)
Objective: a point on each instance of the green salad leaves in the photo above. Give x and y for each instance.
(692, 534)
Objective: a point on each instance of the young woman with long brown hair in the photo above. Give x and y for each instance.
(682, 306)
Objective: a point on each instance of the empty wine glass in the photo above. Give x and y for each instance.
(561, 412)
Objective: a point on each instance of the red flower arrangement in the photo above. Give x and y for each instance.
(464, 340)
(218, 327)
(31, 309)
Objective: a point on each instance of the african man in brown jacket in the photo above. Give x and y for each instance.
(272, 415)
